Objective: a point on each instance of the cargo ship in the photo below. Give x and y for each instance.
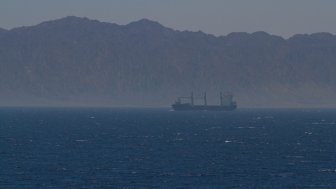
(226, 103)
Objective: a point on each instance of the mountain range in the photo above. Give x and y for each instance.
(78, 61)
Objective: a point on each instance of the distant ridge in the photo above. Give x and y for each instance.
(145, 23)
(79, 61)
(2, 30)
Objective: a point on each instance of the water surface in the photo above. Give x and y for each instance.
(158, 148)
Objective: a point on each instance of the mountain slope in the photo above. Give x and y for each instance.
(78, 61)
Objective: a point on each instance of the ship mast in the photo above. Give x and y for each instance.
(205, 99)
(221, 98)
(192, 98)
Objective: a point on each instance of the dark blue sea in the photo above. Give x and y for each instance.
(157, 148)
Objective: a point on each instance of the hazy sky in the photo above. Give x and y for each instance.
(219, 17)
